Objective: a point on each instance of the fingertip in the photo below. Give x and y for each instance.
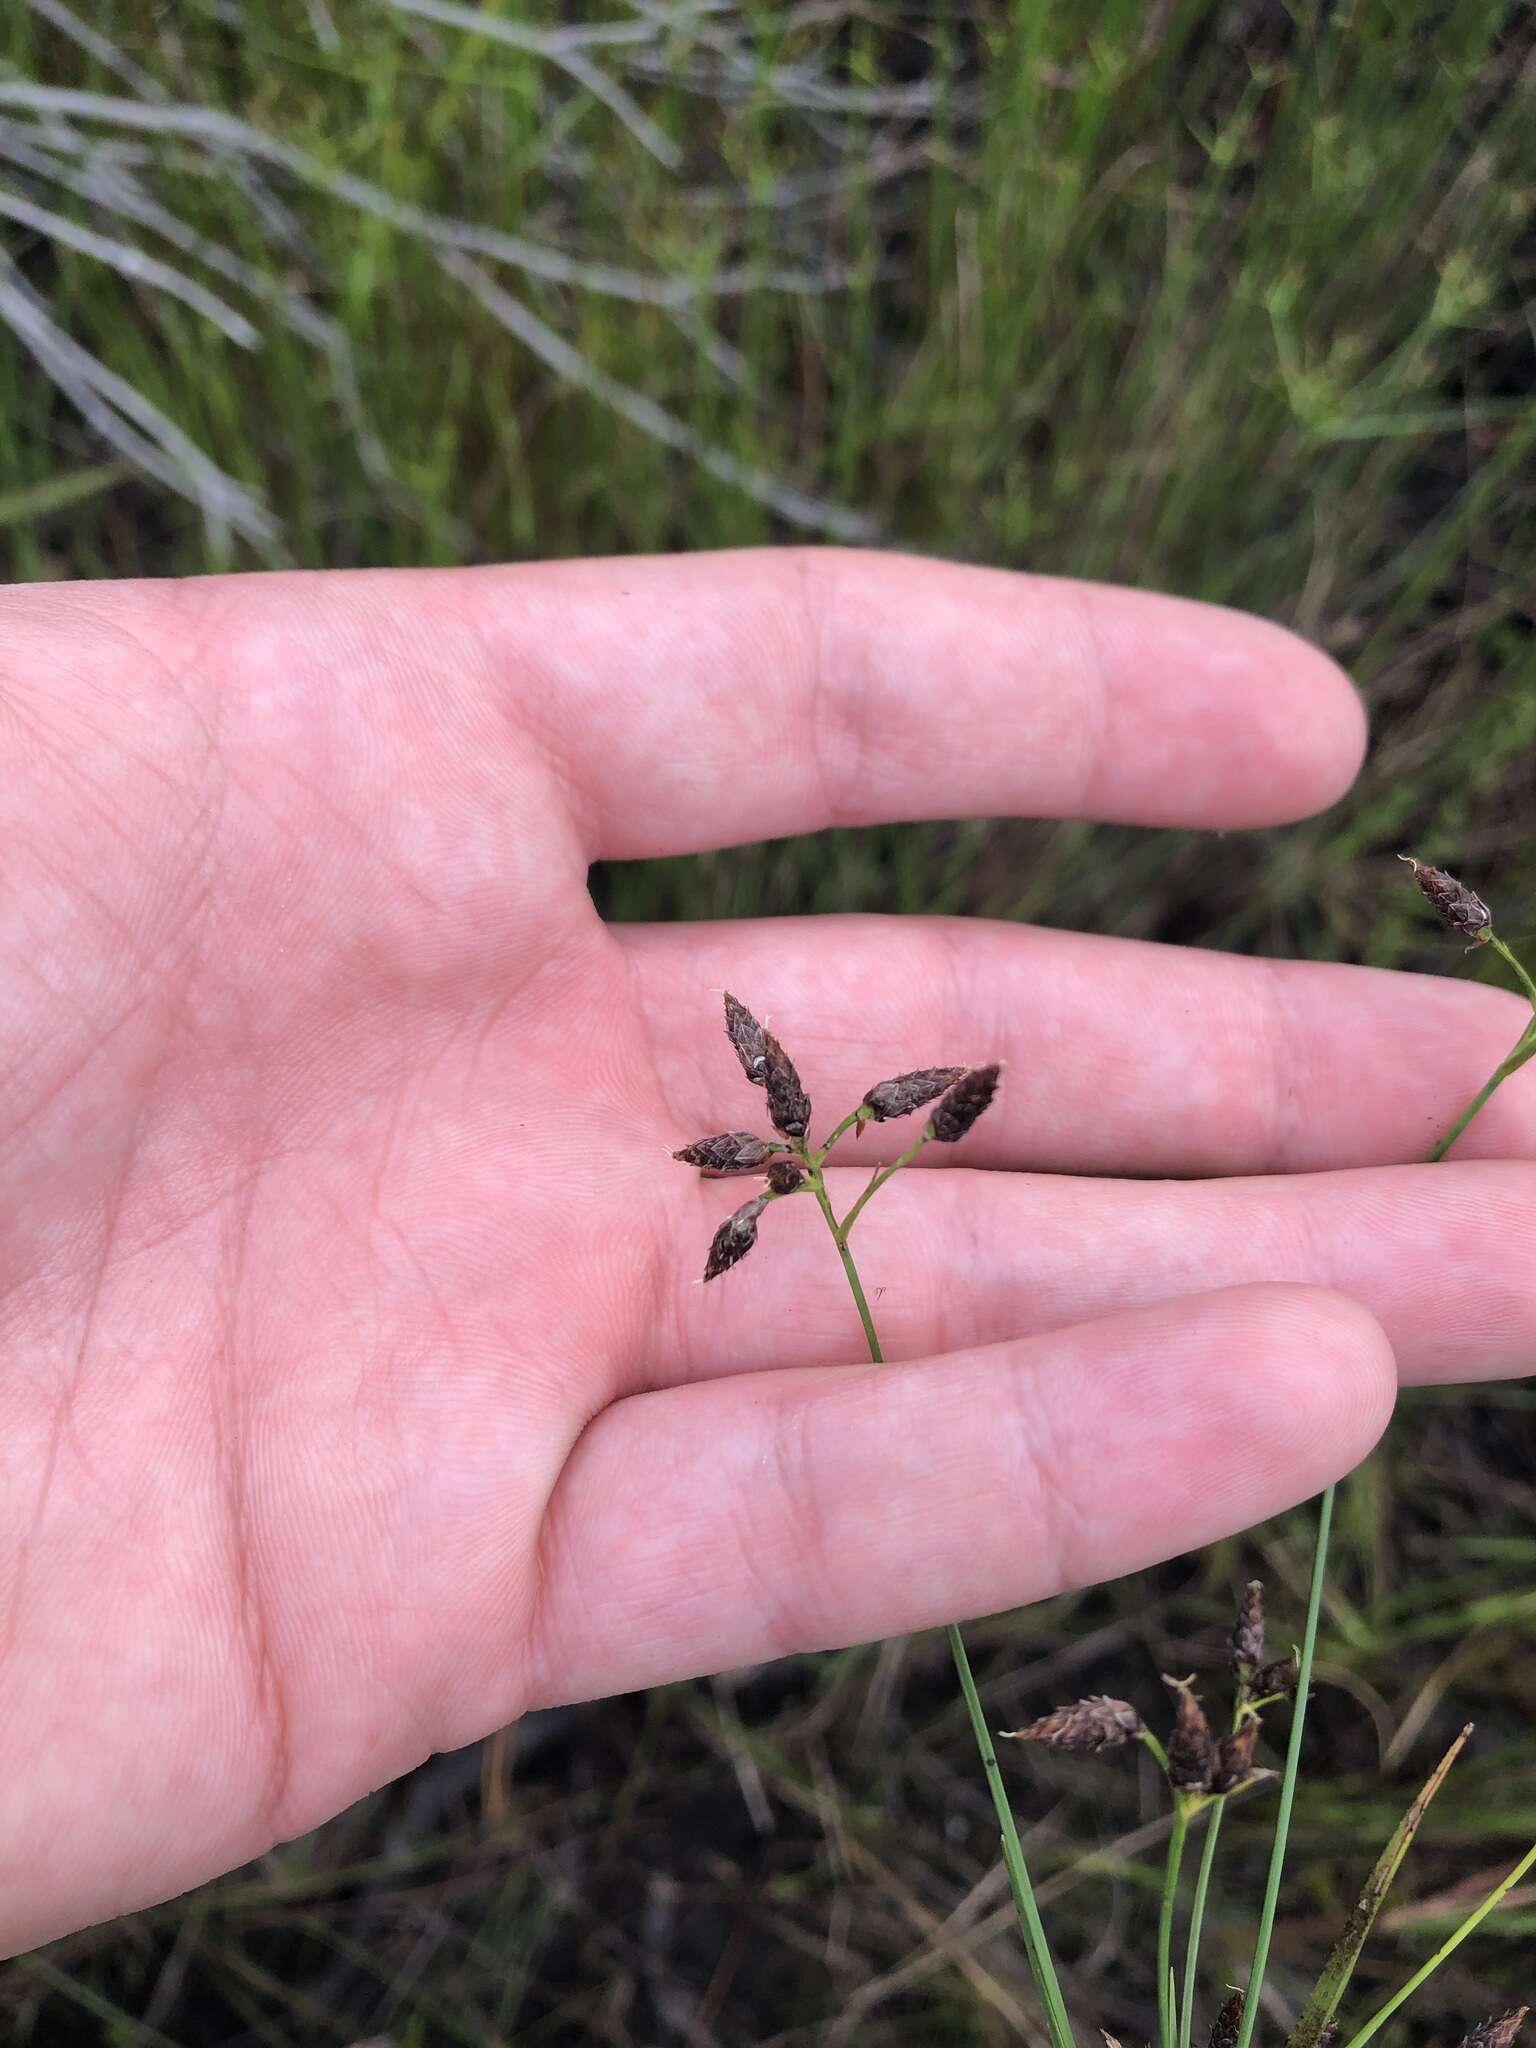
(1325, 1381)
(1292, 712)
(1328, 730)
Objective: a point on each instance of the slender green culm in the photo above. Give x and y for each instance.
(1197, 1922)
(1167, 2015)
(1288, 1782)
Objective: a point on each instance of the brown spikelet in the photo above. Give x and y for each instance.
(735, 1237)
(1234, 1756)
(746, 1035)
(785, 1175)
(1084, 1728)
(1108, 2039)
(958, 1110)
(730, 1152)
(906, 1092)
(1279, 1677)
(1496, 2033)
(1229, 2021)
(1248, 1635)
(1452, 902)
(1329, 2034)
(789, 1107)
(1191, 1747)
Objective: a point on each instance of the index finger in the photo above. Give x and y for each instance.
(702, 701)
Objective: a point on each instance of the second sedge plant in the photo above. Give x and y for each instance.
(1202, 1769)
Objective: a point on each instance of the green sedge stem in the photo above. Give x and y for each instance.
(1472, 1921)
(847, 1124)
(1032, 1927)
(880, 1180)
(1197, 1921)
(1167, 2017)
(1288, 1782)
(1030, 1923)
(1513, 962)
(1523, 1049)
(1159, 1754)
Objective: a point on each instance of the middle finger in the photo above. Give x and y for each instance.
(952, 1259)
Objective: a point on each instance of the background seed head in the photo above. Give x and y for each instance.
(730, 1152)
(906, 1092)
(1191, 1747)
(959, 1109)
(1248, 1635)
(1496, 2033)
(1234, 1757)
(1084, 1728)
(1229, 2021)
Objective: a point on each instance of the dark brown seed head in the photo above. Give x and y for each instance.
(1329, 2034)
(1191, 1749)
(1234, 1757)
(735, 1237)
(789, 1107)
(906, 1092)
(1280, 1677)
(1248, 1635)
(966, 1100)
(1084, 1728)
(1496, 2033)
(1452, 902)
(730, 1152)
(1229, 2021)
(746, 1034)
(785, 1175)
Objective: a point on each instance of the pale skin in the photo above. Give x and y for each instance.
(357, 1392)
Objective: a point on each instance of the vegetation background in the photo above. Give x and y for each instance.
(1230, 297)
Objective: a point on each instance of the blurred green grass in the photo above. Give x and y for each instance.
(1237, 300)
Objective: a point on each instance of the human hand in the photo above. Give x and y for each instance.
(357, 1394)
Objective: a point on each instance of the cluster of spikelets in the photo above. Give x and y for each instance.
(1202, 1766)
(1199, 1763)
(1499, 2033)
(959, 1095)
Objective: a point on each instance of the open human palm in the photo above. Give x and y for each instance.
(357, 1392)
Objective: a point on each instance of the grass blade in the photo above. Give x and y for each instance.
(1334, 1981)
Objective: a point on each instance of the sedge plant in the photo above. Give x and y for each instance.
(1203, 1768)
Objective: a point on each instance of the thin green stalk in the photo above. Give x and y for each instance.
(1197, 1922)
(1167, 2017)
(1511, 960)
(880, 1180)
(819, 1157)
(1523, 1049)
(1288, 1782)
(1030, 1923)
(1037, 1947)
(1473, 1920)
